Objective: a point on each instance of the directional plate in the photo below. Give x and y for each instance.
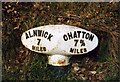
(59, 39)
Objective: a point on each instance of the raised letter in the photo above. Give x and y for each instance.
(45, 35)
(30, 34)
(70, 35)
(75, 34)
(71, 50)
(26, 36)
(91, 37)
(83, 34)
(39, 32)
(34, 32)
(65, 37)
(76, 41)
(87, 36)
(38, 41)
(49, 37)
(78, 33)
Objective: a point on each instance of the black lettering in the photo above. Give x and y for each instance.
(39, 40)
(65, 37)
(70, 35)
(83, 34)
(44, 48)
(82, 42)
(78, 33)
(87, 36)
(91, 37)
(85, 50)
(75, 34)
(77, 51)
(49, 37)
(81, 50)
(30, 34)
(42, 33)
(45, 35)
(39, 32)
(26, 36)
(37, 48)
(76, 41)
(34, 32)
(33, 47)
(71, 50)
(41, 48)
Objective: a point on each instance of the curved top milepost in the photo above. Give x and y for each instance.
(59, 39)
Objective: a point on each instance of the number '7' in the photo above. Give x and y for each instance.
(76, 41)
(81, 42)
(39, 40)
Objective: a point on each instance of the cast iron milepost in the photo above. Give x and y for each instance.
(59, 42)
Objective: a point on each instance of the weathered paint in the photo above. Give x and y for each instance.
(59, 39)
(58, 60)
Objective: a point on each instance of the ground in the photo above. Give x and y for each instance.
(19, 63)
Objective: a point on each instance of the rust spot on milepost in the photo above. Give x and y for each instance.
(61, 61)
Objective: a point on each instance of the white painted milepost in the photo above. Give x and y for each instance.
(59, 42)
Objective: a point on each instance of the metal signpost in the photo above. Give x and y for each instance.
(59, 42)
